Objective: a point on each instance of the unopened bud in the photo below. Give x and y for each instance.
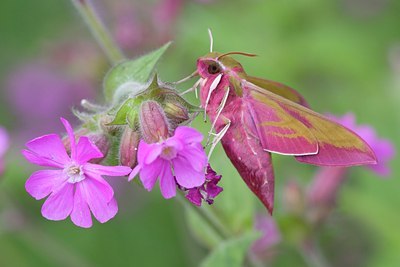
(100, 140)
(128, 147)
(176, 112)
(103, 144)
(153, 122)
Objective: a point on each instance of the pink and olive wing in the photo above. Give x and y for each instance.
(337, 145)
(251, 161)
(278, 131)
(279, 89)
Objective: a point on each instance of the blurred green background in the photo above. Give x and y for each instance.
(342, 55)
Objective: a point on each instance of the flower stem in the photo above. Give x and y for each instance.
(99, 31)
(208, 216)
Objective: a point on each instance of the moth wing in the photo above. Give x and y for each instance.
(337, 145)
(279, 89)
(252, 162)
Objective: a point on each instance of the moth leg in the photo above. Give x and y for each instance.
(195, 73)
(218, 138)
(213, 86)
(219, 110)
(193, 88)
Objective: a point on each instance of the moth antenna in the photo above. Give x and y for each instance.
(213, 86)
(237, 53)
(218, 138)
(194, 74)
(211, 39)
(220, 108)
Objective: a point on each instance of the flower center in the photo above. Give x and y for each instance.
(168, 152)
(75, 174)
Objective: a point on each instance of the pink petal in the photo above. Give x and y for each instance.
(196, 157)
(38, 160)
(4, 141)
(149, 173)
(152, 151)
(135, 172)
(194, 196)
(145, 151)
(80, 215)
(167, 182)
(185, 175)
(50, 148)
(188, 135)
(42, 183)
(59, 204)
(97, 198)
(106, 188)
(86, 150)
(106, 170)
(71, 136)
(175, 143)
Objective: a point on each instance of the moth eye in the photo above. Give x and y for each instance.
(214, 68)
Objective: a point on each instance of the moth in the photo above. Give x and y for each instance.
(254, 117)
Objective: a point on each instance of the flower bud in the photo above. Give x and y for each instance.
(128, 147)
(100, 140)
(176, 112)
(153, 122)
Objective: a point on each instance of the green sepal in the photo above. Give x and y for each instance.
(133, 73)
(128, 109)
(176, 98)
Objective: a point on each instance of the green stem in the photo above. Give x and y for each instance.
(208, 216)
(215, 223)
(99, 31)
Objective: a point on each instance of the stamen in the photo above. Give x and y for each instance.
(75, 174)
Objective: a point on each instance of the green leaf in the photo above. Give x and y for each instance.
(231, 252)
(129, 75)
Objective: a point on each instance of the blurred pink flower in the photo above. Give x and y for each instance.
(383, 148)
(38, 93)
(4, 144)
(181, 154)
(207, 191)
(270, 237)
(76, 188)
(164, 16)
(129, 31)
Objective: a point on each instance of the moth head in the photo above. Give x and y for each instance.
(215, 63)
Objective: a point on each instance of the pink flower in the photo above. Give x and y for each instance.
(207, 191)
(4, 143)
(76, 187)
(383, 148)
(270, 237)
(181, 155)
